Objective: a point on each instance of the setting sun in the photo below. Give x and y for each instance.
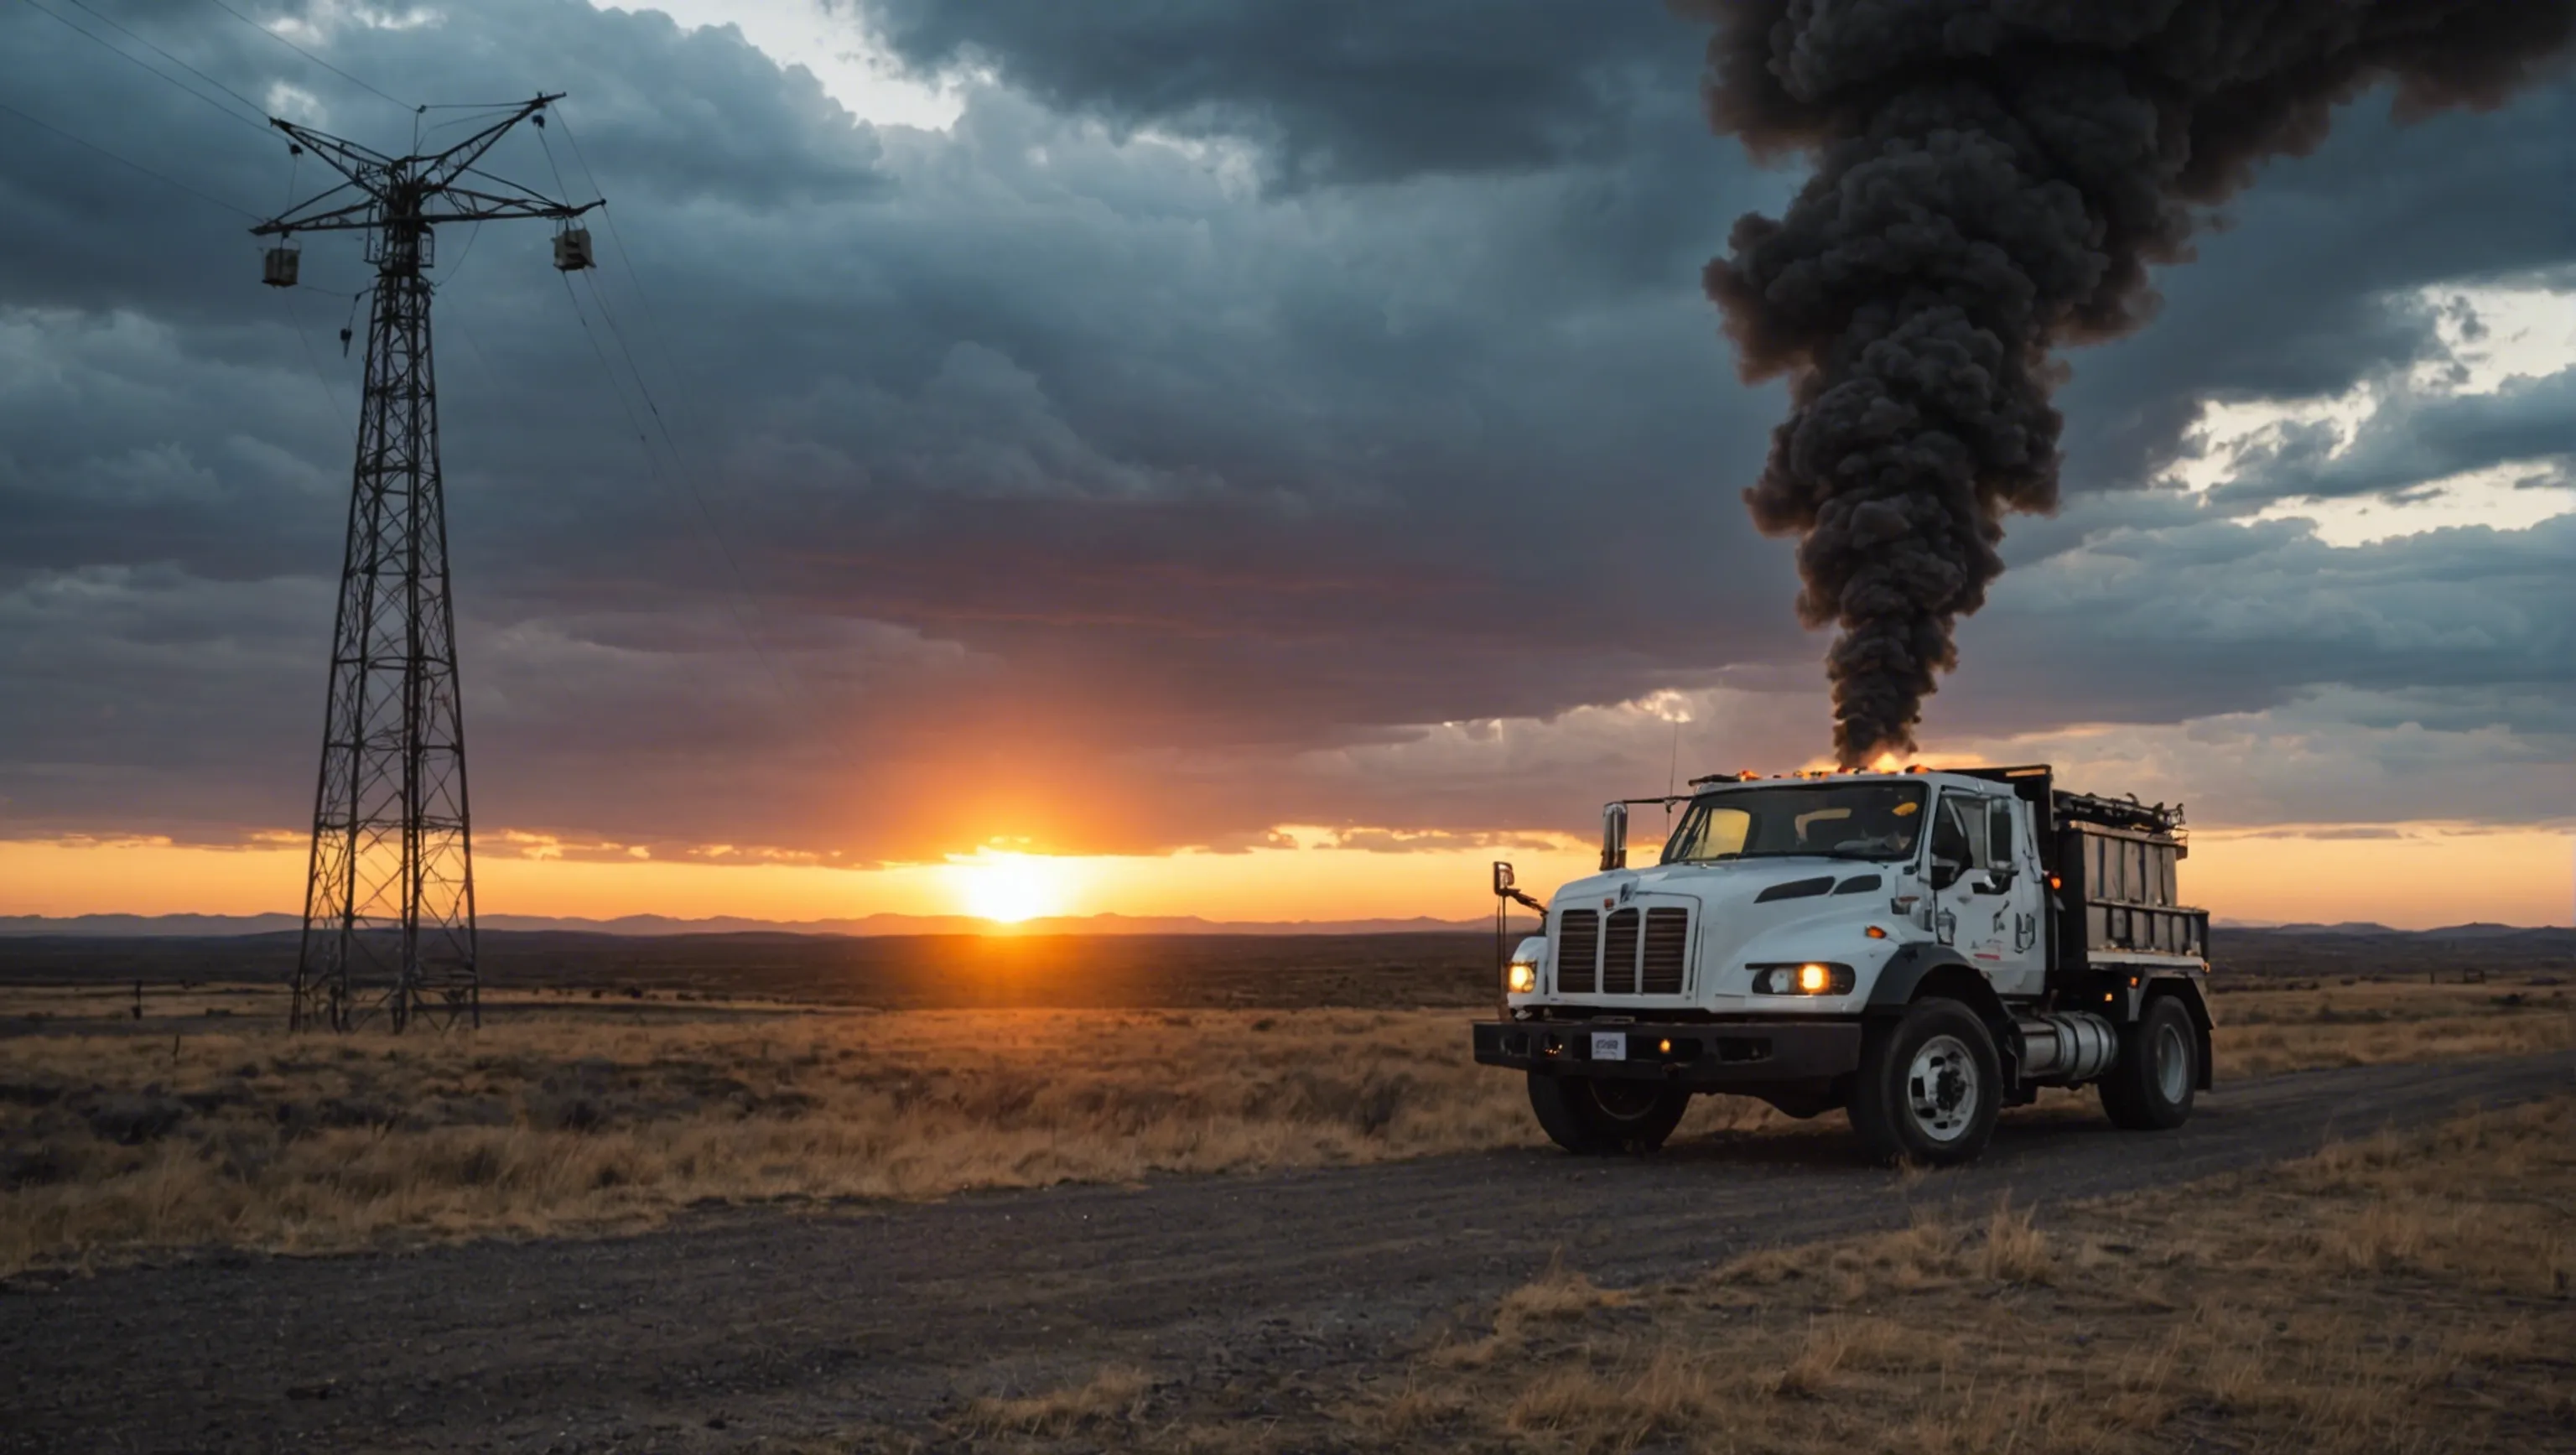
(1008, 888)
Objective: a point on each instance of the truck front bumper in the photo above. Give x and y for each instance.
(1714, 1054)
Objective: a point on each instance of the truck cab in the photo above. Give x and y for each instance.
(1919, 948)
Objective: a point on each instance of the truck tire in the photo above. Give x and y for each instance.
(2149, 1089)
(1928, 1087)
(1592, 1118)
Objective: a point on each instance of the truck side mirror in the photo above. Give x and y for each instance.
(1999, 879)
(1614, 837)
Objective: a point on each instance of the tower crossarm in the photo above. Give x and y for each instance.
(426, 188)
(444, 168)
(363, 165)
(347, 217)
(462, 204)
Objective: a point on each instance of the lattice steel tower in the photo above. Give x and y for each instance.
(389, 899)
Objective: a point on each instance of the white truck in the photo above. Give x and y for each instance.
(1919, 948)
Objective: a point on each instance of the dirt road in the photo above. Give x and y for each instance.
(1257, 1295)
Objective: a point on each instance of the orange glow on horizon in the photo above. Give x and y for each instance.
(2424, 875)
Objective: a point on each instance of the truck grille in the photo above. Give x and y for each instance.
(1636, 953)
(1667, 948)
(1619, 955)
(1578, 945)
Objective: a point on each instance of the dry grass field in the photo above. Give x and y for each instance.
(121, 1137)
(2395, 1295)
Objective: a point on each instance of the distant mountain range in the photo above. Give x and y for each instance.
(198, 926)
(2343, 927)
(2358, 928)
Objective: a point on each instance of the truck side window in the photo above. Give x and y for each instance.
(1951, 846)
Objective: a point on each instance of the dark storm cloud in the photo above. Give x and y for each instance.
(682, 117)
(1338, 90)
(2413, 439)
(1071, 487)
(2313, 287)
(2156, 621)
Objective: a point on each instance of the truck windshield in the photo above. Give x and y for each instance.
(1862, 820)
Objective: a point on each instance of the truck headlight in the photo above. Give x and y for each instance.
(1807, 977)
(1521, 978)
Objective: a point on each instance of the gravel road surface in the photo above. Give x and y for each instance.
(1251, 1293)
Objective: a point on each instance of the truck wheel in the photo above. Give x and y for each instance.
(1928, 1087)
(1591, 1117)
(2150, 1087)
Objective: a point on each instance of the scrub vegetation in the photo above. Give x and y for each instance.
(123, 1137)
(2398, 1294)
(2395, 1294)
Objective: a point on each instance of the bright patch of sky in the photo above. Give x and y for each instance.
(854, 68)
(2501, 498)
(316, 21)
(2491, 337)
(295, 104)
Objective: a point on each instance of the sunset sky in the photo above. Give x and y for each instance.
(1251, 460)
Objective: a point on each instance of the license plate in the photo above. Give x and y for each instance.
(1609, 1045)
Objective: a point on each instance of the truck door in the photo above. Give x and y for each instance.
(2013, 870)
(1986, 889)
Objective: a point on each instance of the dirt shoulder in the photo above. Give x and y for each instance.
(1280, 1302)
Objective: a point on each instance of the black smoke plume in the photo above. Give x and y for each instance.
(1993, 179)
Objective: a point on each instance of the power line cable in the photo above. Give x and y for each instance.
(466, 252)
(156, 73)
(643, 390)
(610, 373)
(478, 115)
(641, 298)
(652, 462)
(82, 6)
(661, 337)
(562, 691)
(308, 55)
(349, 325)
(127, 162)
(315, 363)
(548, 148)
(608, 214)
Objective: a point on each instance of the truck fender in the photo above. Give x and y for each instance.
(2195, 999)
(1918, 970)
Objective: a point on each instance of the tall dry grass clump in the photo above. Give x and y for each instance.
(2396, 1294)
(1114, 1396)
